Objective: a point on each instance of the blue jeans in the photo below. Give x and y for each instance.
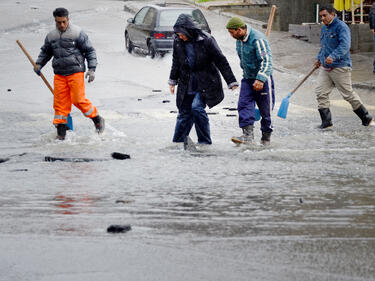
(192, 112)
(246, 105)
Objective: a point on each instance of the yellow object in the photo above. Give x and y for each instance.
(339, 5)
(346, 5)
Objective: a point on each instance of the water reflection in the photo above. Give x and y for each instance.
(69, 205)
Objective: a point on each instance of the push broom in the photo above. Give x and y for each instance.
(283, 110)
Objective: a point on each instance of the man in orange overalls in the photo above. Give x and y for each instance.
(70, 47)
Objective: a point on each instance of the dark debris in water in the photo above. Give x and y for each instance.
(18, 170)
(123, 201)
(119, 228)
(2, 160)
(120, 156)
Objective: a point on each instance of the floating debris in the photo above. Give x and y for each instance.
(19, 170)
(120, 156)
(115, 155)
(166, 101)
(117, 228)
(2, 160)
(156, 91)
(231, 115)
(123, 201)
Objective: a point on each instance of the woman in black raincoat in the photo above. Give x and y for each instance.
(197, 60)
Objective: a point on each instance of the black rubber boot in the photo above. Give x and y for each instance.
(266, 138)
(325, 115)
(61, 131)
(364, 115)
(99, 123)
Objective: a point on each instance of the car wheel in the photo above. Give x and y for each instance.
(128, 43)
(151, 50)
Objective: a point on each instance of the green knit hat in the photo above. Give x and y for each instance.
(235, 23)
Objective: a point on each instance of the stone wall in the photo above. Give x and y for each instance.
(256, 12)
(296, 11)
(288, 11)
(362, 38)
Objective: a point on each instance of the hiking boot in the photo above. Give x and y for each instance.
(99, 124)
(364, 115)
(61, 131)
(266, 138)
(247, 136)
(325, 115)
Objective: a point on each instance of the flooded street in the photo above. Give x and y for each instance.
(301, 209)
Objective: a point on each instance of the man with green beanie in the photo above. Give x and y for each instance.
(257, 84)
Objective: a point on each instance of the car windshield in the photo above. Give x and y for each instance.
(169, 17)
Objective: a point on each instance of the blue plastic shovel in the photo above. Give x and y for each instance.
(70, 120)
(283, 110)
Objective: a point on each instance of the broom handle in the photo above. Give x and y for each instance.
(304, 79)
(34, 64)
(270, 20)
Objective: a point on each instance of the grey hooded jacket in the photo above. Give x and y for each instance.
(69, 50)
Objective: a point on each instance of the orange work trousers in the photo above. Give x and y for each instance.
(70, 90)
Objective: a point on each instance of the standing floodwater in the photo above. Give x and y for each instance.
(300, 209)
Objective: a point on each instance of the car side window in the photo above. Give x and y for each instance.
(198, 16)
(139, 17)
(150, 17)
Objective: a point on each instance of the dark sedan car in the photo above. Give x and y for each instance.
(152, 28)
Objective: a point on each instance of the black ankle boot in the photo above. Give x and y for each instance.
(99, 123)
(61, 131)
(364, 115)
(266, 138)
(325, 115)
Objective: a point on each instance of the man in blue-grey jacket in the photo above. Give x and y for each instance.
(334, 57)
(257, 83)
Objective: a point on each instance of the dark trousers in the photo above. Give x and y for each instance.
(246, 105)
(192, 111)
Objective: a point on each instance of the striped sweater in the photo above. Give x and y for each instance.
(255, 55)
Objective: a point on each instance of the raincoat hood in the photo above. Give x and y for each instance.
(186, 25)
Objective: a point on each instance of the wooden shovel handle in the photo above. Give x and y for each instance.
(304, 79)
(34, 64)
(270, 20)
